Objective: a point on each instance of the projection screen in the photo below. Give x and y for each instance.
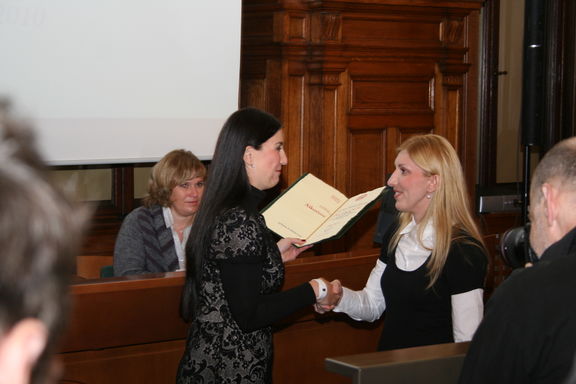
(121, 81)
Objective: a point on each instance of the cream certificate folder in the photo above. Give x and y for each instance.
(314, 211)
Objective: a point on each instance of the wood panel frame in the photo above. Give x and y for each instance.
(328, 70)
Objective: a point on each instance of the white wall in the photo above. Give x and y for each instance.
(121, 80)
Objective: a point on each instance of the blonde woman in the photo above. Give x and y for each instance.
(153, 237)
(430, 275)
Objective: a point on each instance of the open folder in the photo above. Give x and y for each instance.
(314, 211)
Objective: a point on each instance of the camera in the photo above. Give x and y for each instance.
(515, 247)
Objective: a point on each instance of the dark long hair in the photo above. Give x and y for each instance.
(226, 187)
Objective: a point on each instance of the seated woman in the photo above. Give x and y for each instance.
(430, 275)
(153, 237)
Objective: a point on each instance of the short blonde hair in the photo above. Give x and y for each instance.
(173, 169)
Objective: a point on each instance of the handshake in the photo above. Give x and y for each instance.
(328, 294)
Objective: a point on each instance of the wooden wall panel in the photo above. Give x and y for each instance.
(88, 266)
(367, 158)
(392, 94)
(253, 92)
(144, 364)
(311, 341)
(327, 124)
(295, 120)
(391, 31)
(397, 67)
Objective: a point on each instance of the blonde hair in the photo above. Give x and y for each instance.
(174, 168)
(449, 208)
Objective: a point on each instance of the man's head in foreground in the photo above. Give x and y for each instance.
(40, 229)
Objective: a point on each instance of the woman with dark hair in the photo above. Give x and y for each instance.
(235, 268)
(153, 237)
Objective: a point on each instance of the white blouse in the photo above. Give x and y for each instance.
(369, 304)
(180, 246)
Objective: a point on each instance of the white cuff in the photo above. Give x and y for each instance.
(322, 289)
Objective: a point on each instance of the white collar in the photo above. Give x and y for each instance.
(168, 218)
(428, 235)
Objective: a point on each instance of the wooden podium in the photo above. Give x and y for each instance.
(420, 365)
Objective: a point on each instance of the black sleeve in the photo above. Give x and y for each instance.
(253, 310)
(502, 349)
(465, 266)
(241, 248)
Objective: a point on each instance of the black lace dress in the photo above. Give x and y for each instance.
(231, 339)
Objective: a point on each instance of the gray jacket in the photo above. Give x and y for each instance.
(144, 244)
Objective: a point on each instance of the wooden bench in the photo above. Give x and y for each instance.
(128, 330)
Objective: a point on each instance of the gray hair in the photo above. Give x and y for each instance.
(559, 163)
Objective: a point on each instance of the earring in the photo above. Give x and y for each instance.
(429, 196)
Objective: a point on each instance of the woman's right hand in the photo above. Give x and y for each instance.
(332, 298)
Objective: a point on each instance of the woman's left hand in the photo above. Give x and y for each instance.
(288, 250)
